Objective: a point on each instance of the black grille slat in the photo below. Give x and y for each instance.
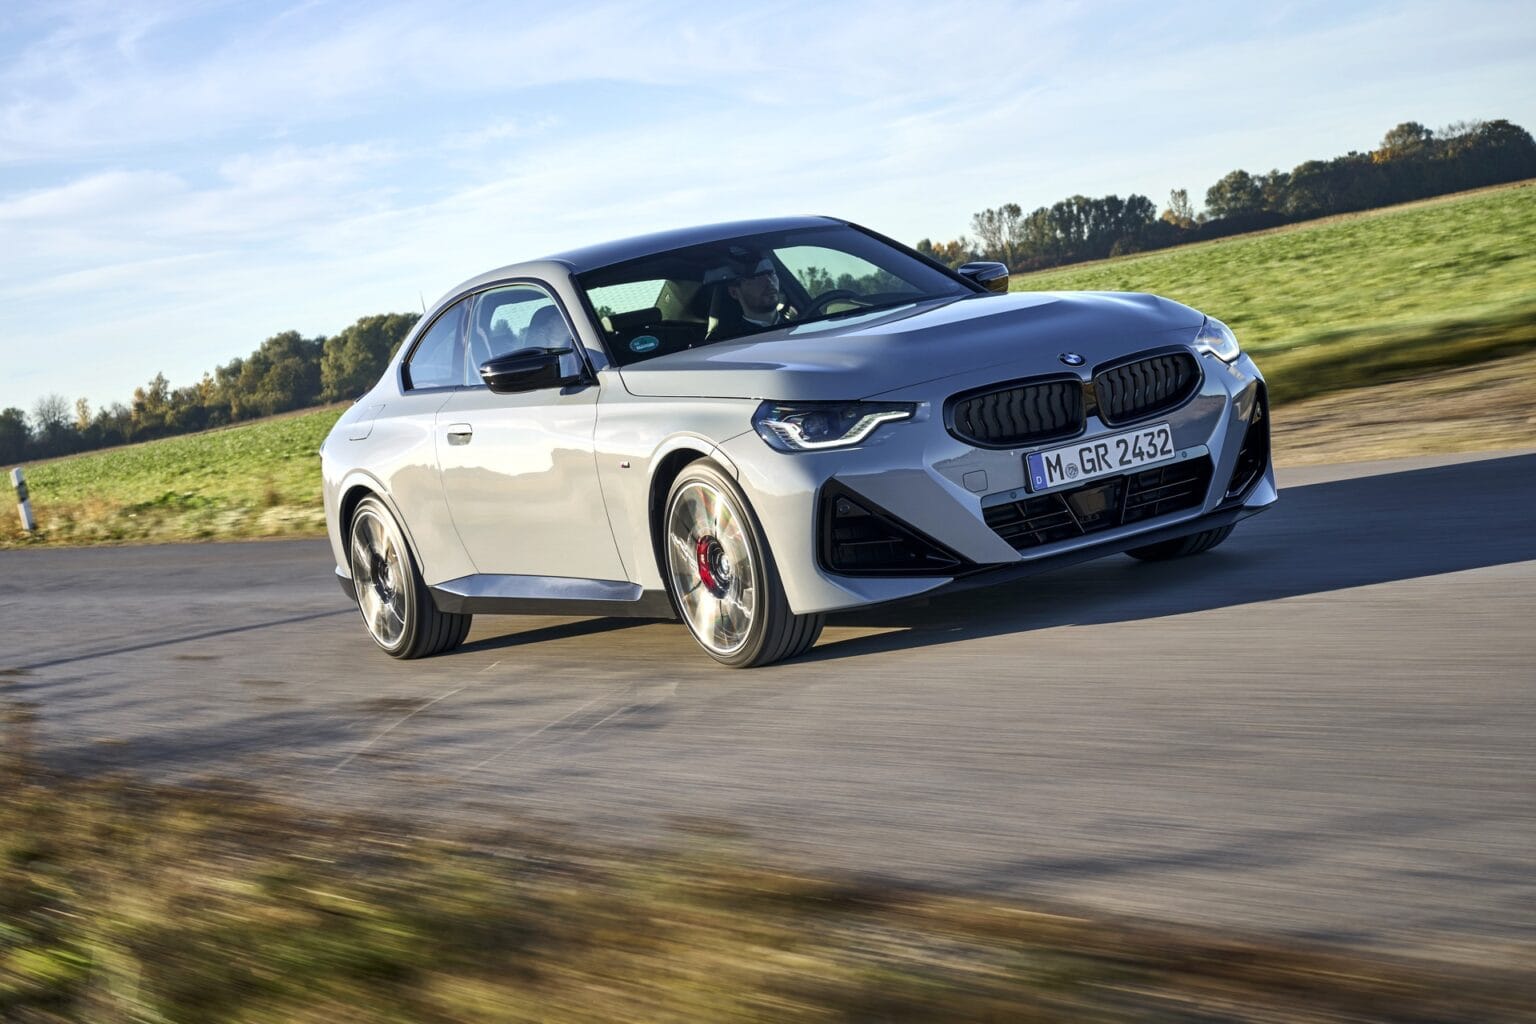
(1048, 518)
(1048, 409)
(1024, 413)
(1146, 386)
(1033, 522)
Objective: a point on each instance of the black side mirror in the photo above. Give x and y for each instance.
(528, 369)
(991, 276)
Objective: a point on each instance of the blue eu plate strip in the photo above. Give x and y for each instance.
(1036, 461)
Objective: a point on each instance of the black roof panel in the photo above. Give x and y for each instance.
(606, 254)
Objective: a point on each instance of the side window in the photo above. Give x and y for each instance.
(519, 316)
(435, 362)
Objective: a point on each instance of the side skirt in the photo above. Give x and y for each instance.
(550, 595)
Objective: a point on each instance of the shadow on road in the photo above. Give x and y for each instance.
(180, 747)
(206, 634)
(560, 631)
(1320, 537)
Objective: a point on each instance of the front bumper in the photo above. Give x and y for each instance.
(944, 491)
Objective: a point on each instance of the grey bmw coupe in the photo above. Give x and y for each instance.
(748, 426)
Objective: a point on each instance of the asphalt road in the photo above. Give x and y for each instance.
(1325, 728)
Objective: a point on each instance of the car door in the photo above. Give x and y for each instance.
(518, 470)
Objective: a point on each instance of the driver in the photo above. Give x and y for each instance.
(755, 287)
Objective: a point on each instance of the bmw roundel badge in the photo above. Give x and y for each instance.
(1072, 359)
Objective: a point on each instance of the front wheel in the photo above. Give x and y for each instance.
(1181, 547)
(393, 599)
(721, 576)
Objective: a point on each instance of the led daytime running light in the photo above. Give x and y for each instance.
(781, 424)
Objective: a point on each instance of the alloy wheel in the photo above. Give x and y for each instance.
(713, 573)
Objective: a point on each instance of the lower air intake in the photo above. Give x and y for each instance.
(1253, 456)
(1101, 505)
(858, 538)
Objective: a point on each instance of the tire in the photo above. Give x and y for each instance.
(396, 607)
(721, 576)
(1181, 547)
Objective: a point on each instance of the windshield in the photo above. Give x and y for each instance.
(702, 294)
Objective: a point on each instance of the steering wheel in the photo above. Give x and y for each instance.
(825, 299)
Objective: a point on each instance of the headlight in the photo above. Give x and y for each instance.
(809, 426)
(1217, 338)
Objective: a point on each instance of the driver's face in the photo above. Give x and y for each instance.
(759, 293)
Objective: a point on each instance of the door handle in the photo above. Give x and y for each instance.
(460, 433)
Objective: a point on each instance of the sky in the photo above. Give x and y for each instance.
(180, 181)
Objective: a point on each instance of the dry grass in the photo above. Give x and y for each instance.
(126, 902)
(1481, 408)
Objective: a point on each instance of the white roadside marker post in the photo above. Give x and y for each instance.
(22, 501)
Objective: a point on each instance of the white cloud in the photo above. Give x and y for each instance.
(93, 196)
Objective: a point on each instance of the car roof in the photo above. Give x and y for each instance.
(606, 254)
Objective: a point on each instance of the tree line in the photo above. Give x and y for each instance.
(1412, 162)
(287, 371)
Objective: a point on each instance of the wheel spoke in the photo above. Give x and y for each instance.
(362, 570)
(698, 517)
(730, 624)
(368, 536)
(379, 623)
(683, 552)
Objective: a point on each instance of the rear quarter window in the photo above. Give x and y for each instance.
(436, 359)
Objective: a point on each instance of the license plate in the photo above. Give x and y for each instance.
(1100, 456)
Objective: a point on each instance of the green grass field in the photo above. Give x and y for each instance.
(259, 479)
(1324, 307)
(1335, 304)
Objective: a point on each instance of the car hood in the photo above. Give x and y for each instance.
(856, 357)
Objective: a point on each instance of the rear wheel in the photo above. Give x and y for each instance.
(1180, 547)
(393, 600)
(721, 576)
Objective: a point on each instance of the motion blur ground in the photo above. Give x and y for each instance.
(121, 900)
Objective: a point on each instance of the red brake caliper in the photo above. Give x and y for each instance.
(705, 574)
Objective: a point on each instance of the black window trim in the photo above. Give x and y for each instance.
(549, 290)
(406, 388)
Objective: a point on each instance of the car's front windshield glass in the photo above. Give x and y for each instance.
(715, 292)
